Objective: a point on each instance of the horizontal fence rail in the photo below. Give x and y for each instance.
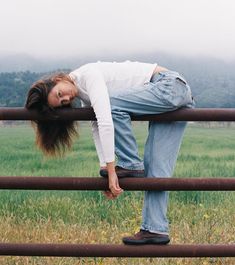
(92, 183)
(86, 114)
(95, 250)
(99, 183)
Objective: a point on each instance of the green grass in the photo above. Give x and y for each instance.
(87, 217)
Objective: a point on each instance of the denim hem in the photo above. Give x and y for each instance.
(137, 166)
(151, 230)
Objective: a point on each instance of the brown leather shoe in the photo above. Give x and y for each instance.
(123, 173)
(146, 237)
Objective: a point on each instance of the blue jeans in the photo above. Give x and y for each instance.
(166, 91)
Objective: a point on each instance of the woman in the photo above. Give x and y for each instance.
(116, 91)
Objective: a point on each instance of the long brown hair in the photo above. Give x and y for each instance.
(52, 137)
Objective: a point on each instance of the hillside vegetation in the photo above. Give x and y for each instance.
(212, 81)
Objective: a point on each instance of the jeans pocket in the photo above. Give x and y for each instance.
(173, 90)
(181, 95)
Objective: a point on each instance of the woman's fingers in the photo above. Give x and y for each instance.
(108, 194)
(112, 194)
(117, 186)
(115, 191)
(114, 184)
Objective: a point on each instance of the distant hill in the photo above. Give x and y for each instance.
(19, 62)
(212, 81)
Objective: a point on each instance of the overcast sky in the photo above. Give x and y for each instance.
(79, 27)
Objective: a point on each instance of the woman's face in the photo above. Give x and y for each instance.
(62, 94)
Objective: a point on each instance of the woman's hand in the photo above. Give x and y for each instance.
(114, 188)
(114, 184)
(107, 193)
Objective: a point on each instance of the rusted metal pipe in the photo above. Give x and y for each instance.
(95, 250)
(183, 114)
(92, 183)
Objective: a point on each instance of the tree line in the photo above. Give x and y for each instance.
(209, 90)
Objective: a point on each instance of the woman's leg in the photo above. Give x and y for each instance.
(161, 150)
(125, 144)
(136, 100)
(166, 92)
(154, 97)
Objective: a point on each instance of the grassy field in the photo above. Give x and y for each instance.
(87, 217)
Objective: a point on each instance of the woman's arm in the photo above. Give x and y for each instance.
(110, 167)
(99, 98)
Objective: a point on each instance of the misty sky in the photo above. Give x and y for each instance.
(79, 27)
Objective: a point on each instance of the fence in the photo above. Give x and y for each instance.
(59, 183)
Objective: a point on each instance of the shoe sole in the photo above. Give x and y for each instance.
(157, 241)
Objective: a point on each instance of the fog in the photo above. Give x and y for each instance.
(65, 28)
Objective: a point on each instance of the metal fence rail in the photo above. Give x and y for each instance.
(81, 183)
(95, 250)
(86, 114)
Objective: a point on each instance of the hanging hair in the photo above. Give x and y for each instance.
(52, 137)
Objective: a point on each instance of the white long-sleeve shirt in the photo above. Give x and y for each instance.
(94, 82)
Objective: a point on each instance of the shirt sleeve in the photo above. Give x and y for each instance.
(96, 138)
(103, 129)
